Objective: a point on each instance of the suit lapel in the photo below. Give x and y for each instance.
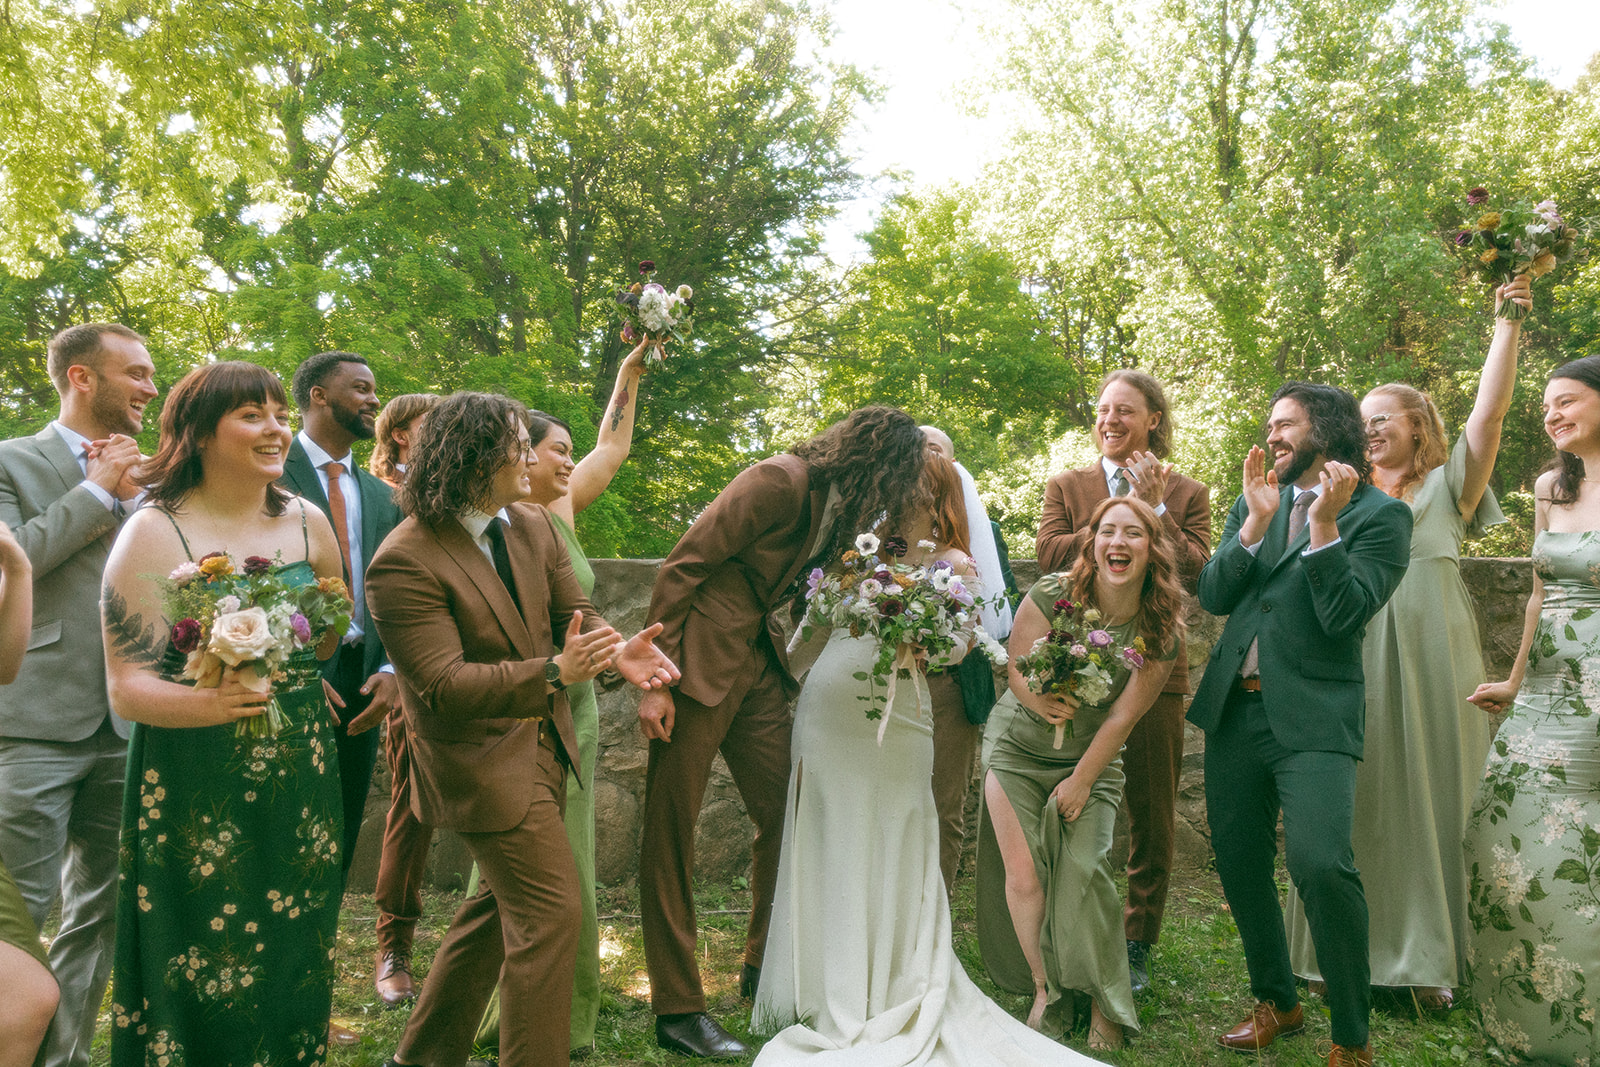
(373, 494)
(1273, 546)
(301, 478)
(54, 449)
(469, 557)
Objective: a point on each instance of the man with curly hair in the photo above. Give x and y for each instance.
(714, 599)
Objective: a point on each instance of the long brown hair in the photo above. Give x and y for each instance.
(874, 456)
(1160, 615)
(949, 505)
(464, 442)
(1568, 467)
(191, 414)
(401, 411)
(1427, 433)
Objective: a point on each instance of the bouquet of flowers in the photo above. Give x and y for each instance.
(1518, 239)
(242, 621)
(1076, 658)
(905, 608)
(651, 312)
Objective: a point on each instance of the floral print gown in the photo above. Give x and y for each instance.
(1533, 842)
(228, 896)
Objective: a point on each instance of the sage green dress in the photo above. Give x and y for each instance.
(1424, 753)
(229, 888)
(1082, 938)
(580, 834)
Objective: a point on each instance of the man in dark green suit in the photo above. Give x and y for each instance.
(1310, 552)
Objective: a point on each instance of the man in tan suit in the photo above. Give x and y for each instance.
(469, 594)
(714, 599)
(1133, 430)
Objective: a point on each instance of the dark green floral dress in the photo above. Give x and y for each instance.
(228, 896)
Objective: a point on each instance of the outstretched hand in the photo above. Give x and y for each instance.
(645, 665)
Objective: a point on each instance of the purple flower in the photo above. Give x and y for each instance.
(1463, 238)
(883, 575)
(629, 334)
(1132, 658)
(896, 545)
(257, 564)
(1477, 195)
(1079, 652)
(186, 635)
(1099, 639)
(814, 581)
(301, 627)
(890, 608)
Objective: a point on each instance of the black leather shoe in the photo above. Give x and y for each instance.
(1139, 965)
(749, 980)
(697, 1034)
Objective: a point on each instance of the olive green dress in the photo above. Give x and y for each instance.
(16, 925)
(1082, 937)
(229, 889)
(580, 834)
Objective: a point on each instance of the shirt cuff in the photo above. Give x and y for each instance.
(1319, 548)
(100, 494)
(1161, 509)
(1252, 549)
(387, 668)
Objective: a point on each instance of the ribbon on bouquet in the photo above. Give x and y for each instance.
(905, 658)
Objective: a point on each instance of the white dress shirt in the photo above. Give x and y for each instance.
(1111, 467)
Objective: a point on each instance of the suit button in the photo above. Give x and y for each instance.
(1265, 608)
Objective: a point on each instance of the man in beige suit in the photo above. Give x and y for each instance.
(469, 594)
(64, 491)
(1133, 429)
(714, 599)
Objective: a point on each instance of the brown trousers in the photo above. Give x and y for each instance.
(521, 929)
(404, 860)
(751, 728)
(955, 745)
(1152, 761)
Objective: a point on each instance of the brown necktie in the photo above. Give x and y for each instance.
(1120, 484)
(1298, 513)
(341, 527)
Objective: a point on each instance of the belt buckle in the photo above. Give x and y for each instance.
(1250, 685)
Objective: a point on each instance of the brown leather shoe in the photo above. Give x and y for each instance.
(1264, 1026)
(1345, 1056)
(392, 979)
(342, 1036)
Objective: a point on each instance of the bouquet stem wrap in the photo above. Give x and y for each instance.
(905, 659)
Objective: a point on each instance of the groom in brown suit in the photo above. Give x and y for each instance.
(713, 599)
(469, 594)
(1133, 430)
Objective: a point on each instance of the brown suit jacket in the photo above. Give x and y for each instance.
(1071, 497)
(715, 594)
(471, 666)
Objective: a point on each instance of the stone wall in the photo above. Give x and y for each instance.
(622, 590)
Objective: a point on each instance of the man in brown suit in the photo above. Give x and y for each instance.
(468, 594)
(713, 600)
(1133, 430)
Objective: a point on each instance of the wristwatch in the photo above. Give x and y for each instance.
(552, 674)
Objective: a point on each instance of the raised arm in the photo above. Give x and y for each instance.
(594, 472)
(1494, 398)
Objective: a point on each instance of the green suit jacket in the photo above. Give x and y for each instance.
(379, 515)
(1309, 614)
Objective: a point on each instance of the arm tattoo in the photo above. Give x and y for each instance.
(621, 406)
(130, 636)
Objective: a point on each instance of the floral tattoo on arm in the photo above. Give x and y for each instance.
(618, 409)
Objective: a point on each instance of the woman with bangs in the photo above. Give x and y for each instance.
(859, 965)
(1049, 918)
(229, 890)
(1422, 658)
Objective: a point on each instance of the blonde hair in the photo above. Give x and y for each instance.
(397, 414)
(1433, 449)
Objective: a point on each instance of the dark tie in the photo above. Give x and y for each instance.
(1298, 513)
(1119, 482)
(336, 512)
(496, 533)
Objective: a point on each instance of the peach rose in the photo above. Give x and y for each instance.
(205, 668)
(251, 679)
(241, 635)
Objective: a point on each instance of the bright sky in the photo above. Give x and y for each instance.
(923, 50)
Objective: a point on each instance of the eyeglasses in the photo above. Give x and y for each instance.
(1377, 422)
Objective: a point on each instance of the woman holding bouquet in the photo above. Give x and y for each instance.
(229, 890)
(1049, 920)
(859, 963)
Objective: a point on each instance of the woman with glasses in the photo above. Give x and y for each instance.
(1425, 747)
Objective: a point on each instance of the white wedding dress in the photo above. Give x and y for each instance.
(859, 967)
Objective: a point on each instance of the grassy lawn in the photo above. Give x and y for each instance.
(1199, 988)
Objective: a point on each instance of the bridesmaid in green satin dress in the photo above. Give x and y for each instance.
(565, 488)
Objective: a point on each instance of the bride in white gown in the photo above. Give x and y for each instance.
(859, 967)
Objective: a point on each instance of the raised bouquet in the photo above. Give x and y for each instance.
(651, 312)
(1076, 658)
(1501, 244)
(905, 608)
(242, 621)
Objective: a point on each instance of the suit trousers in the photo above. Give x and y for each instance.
(955, 745)
(404, 860)
(521, 928)
(1250, 777)
(358, 753)
(60, 818)
(1152, 761)
(751, 728)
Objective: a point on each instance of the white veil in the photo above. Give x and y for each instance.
(996, 618)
